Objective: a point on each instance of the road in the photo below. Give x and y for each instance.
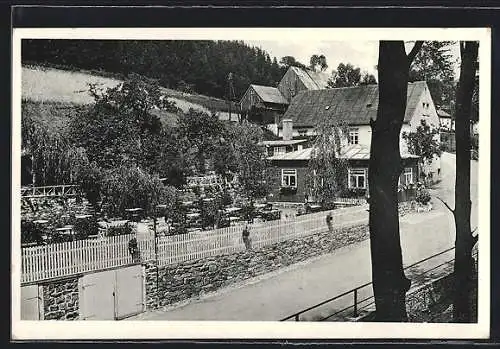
(290, 290)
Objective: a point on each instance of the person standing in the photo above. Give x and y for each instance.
(246, 237)
(329, 221)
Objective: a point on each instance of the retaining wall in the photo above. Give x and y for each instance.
(191, 279)
(61, 299)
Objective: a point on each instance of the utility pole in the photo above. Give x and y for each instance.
(230, 92)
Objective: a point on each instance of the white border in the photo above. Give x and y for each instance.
(269, 330)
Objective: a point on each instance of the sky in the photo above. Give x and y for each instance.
(363, 54)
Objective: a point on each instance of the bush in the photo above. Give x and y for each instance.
(288, 190)
(353, 193)
(31, 233)
(423, 197)
(119, 230)
(85, 227)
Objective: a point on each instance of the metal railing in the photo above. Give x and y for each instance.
(356, 305)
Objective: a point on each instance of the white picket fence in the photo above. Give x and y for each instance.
(69, 258)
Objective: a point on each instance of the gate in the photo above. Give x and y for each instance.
(31, 303)
(97, 296)
(113, 294)
(129, 292)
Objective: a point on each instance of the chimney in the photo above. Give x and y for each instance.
(287, 129)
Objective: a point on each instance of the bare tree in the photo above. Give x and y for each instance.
(389, 281)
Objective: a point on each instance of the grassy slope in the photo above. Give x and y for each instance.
(43, 84)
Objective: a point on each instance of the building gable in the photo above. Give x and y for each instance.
(351, 105)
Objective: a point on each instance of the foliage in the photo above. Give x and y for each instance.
(434, 63)
(318, 62)
(199, 66)
(346, 75)
(47, 142)
(85, 227)
(290, 61)
(424, 142)
(31, 233)
(423, 196)
(248, 160)
(119, 230)
(288, 190)
(328, 169)
(128, 187)
(199, 135)
(352, 193)
(208, 212)
(121, 126)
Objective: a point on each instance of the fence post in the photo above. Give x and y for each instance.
(297, 317)
(355, 302)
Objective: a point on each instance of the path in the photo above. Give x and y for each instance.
(290, 290)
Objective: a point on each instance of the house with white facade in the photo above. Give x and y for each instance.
(352, 108)
(445, 120)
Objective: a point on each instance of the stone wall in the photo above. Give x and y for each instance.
(425, 302)
(190, 279)
(428, 303)
(60, 299)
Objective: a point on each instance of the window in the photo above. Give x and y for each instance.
(289, 178)
(408, 174)
(302, 133)
(353, 136)
(357, 178)
(279, 150)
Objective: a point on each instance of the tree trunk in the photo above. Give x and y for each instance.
(389, 281)
(464, 240)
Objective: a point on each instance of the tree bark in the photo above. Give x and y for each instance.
(389, 281)
(463, 270)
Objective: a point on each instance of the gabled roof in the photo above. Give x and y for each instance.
(353, 105)
(311, 79)
(269, 94)
(350, 152)
(303, 154)
(282, 142)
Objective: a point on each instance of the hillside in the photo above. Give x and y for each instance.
(57, 86)
(194, 66)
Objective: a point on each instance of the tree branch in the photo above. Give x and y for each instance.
(447, 206)
(414, 51)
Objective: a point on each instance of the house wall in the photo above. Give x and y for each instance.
(290, 85)
(429, 114)
(447, 123)
(251, 99)
(303, 173)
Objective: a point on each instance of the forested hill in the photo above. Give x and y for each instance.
(190, 66)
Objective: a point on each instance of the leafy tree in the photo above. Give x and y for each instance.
(318, 62)
(199, 134)
(129, 187)
(389, 281)
(329, 170)
(424, 142)
(119, 127)
(249, 160)
(290, 61)
(434, 63)
(346, 75)
(368, 79)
